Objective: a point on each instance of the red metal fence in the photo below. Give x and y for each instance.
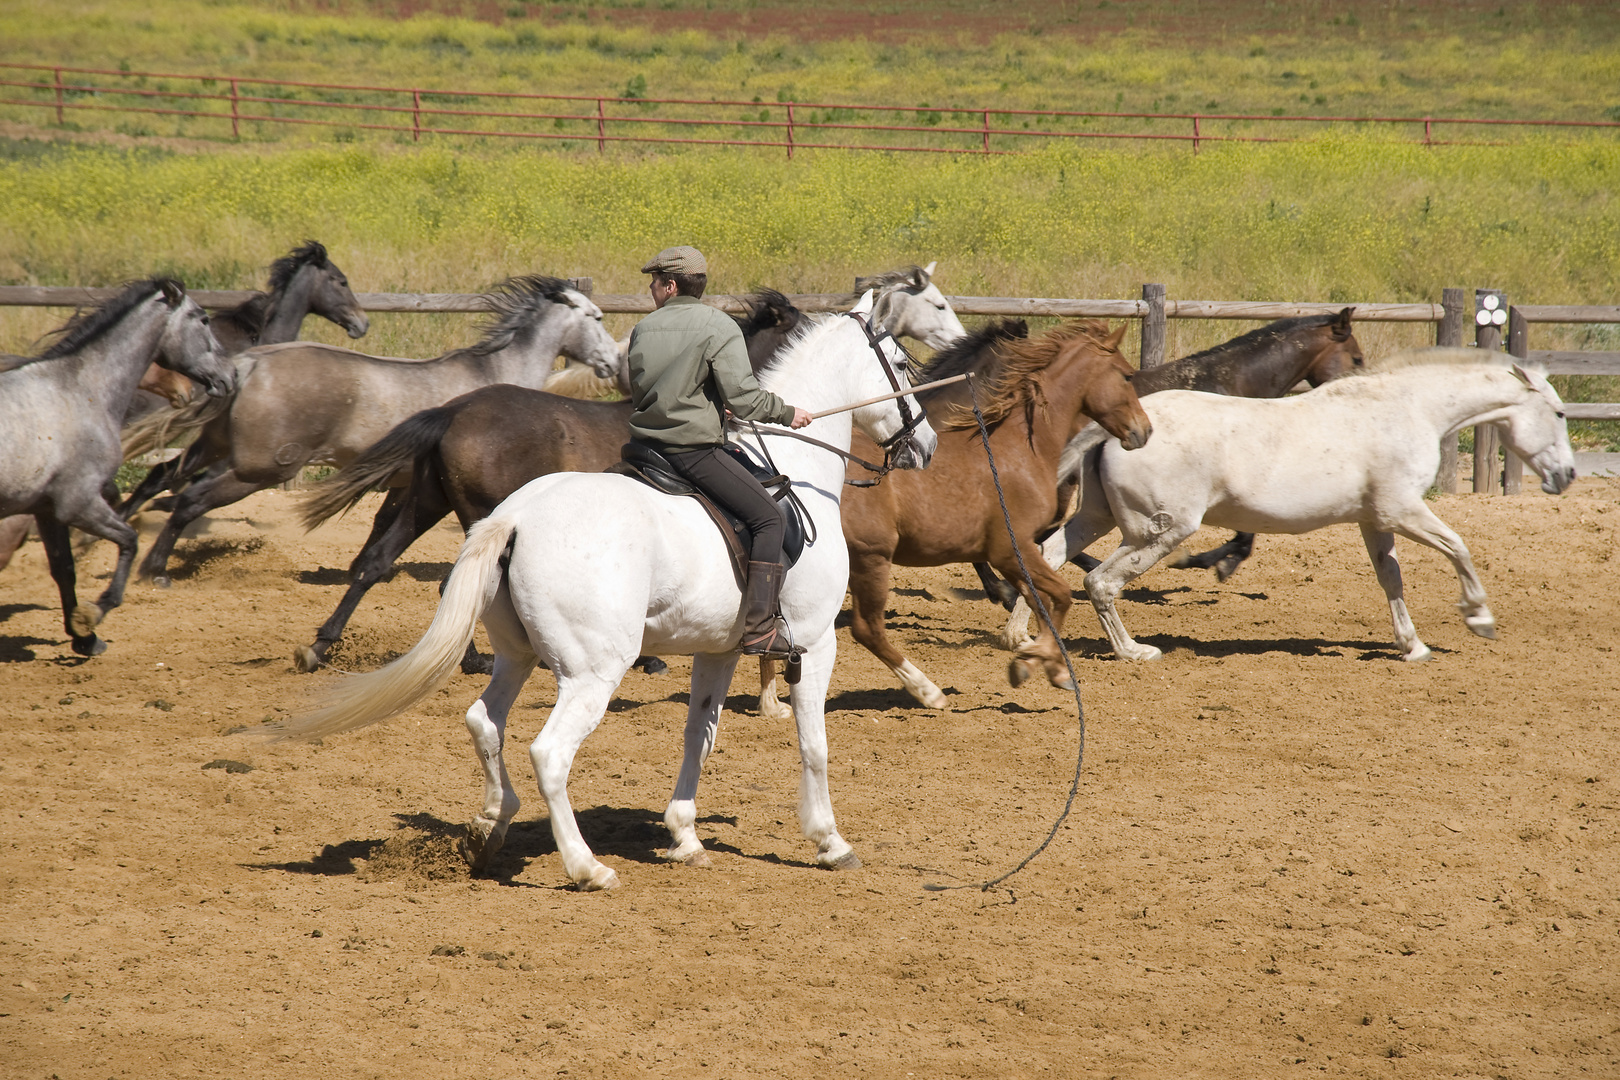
(206, 105)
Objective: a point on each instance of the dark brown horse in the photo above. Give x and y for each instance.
(469, 454)
(1263, 363)
(1038, 393)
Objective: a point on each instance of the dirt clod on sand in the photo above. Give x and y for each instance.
(1291, 853)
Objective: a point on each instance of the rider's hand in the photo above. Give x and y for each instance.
(801, 418)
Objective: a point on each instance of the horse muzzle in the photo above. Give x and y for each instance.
(1135, 438)
(1556, 480)
(357, 324)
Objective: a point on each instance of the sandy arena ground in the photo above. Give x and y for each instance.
(1291, 854)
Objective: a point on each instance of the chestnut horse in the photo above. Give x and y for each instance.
(1037, 393)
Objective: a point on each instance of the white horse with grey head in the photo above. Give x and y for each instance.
(587, 571)
(1361, 449)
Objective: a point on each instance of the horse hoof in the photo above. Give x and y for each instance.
(161, 581)
(89, 645)
(775, 709)
(479, 665)
(651, 665)
(1484, 626)
(1179, 559)
(1018, 672)
(1418, 655)
(85, 619)
(1226, 568)
(1061, 681)
(1142, 652)
(306, 659)
(600, 879)
(847, 861)
(479, 844)
(698, 860)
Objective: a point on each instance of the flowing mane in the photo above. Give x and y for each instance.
(905, 276)
(87, 325)
(1011, 384)
(513, 305)
(766, 309)
(974, 352)
(811, 328)
(284, 269)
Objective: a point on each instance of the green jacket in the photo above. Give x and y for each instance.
(687, 364)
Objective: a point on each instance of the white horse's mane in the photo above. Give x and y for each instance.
(810, 330)
(1430, 357)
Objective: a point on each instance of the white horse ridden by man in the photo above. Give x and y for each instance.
(590, 570)
(1361, 449)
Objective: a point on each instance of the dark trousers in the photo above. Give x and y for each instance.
(722, 478)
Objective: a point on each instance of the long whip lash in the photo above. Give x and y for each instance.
(1040, 606)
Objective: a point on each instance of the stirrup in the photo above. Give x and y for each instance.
(794, 666)
(774, 643)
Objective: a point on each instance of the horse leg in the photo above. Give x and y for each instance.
(53, 535)
(581, 701)
(1015, 635)
(100, 519)
(1224, 560)
(13, 531)
(1134, 557)
(809, 698)
(868, 593)
(486, 723)
(210, 493)
(995, 589)
(711, 675)
(1381, 549)
(771, 707)
(166, 475)
(400, 522)
(1421, 525)
(1055, 593)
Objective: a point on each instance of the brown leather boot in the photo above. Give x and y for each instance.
(764, 631)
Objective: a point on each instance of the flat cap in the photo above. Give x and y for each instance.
(677, 260)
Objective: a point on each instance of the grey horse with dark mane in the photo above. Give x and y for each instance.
(304, 403)
(59, 418)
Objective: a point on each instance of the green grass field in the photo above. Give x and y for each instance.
(1345, 217)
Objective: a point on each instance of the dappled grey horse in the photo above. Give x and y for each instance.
(59, 418)
(304, 403)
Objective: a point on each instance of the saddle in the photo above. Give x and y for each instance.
(646, 464)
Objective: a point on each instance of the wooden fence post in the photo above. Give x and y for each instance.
(416, 115)
(1153, 327)
(1487, 335)
(582, 284)
(790, 130)
(601, 127)
(1518, 345)
(236, 116)
(58, 97)
(1449, 331)
(987, 131)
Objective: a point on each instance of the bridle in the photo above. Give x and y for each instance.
(903, 438)
(894, 444)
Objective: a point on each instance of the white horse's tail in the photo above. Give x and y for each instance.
(1074, 454)
(379, 695)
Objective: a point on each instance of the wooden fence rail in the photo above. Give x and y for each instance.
(1449, 317)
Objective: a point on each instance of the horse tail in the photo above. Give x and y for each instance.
(399, 449)
(579, 381)
(1074, 454)
(361, 700)
(157, 430)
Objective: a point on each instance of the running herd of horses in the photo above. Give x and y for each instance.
(1053, 441)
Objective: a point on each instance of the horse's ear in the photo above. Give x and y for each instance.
(928, 271)
(863, 306)
(174, 293)
(1523, 376)
(1113, 340)
(1341, 323)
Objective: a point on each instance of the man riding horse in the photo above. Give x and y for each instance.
(688, 366)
